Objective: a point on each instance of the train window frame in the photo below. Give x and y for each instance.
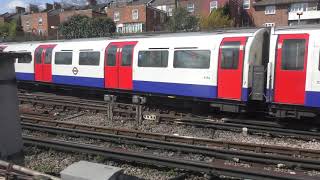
(176, 64)
(319, 60)
(111, 63)
(128, 61)
(285, 62)
(161, 65)
(96, 61)
(58, 52)
(48, 56)
(36, 55)
(18, 60)
(234, 46)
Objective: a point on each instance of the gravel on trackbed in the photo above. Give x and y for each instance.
(51, 161)
(42, 160)
(182, 130)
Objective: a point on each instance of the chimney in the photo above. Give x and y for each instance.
(20, 10)
(57, 5)
(49, 6)
(33, 8)
(91, 2)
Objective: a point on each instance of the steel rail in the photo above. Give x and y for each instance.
(305, 163)
(259, 148)
(216, 167)
(183, 119)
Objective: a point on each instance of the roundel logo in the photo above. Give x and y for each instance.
(75, 71)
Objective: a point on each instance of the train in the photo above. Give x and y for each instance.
(241, 70)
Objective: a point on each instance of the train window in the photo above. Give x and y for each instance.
(293, 52)
(195, 59)
(319, 63)
(64, 58)
(112, 55)
(48, 56)
(89, 58)
(127, 52)
(26, 58)
(153, 58)
(38, 55)
(230, 55)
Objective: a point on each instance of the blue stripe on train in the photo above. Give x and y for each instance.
(176, 89)
(202, 91)
(312, 99)
(25, 76)
(79, 81)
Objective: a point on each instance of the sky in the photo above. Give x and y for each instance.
(9, 5)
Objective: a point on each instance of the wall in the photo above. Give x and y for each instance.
(280, 18)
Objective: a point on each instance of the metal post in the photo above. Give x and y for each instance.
(110, 99)
(299, 15)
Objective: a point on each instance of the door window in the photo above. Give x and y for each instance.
(127, 55)
(48, 56)
(230, 55)
(293, 53)
(38, 55)
(112, 55)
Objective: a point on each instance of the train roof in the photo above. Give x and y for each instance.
(247, 31)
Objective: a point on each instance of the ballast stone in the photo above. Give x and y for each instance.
(84, 170)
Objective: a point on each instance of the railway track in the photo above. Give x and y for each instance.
(258, 155)
(236, 125)
(216, 167)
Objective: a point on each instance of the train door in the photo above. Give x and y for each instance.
(290, 72)
(118, 65)
(230, 68)
(43, 67)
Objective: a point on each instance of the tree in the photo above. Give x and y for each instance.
(219, 18)
(8, 30)
(84, 27)
(181, 20)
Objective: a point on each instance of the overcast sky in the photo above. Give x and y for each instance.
(9, 5)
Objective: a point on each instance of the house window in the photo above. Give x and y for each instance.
(269, 24)
(170, 11)
(116, 16)
(161, 18)
(246, 4)
(298, 7)
(155, 15)
(135, 14)
(40, 21)
(270, 10)
(190, 7)
(213, 5)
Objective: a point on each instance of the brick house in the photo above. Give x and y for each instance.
(165, 5)
(280, 13)
(205, 7)
(137, 16)
(40, 23)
